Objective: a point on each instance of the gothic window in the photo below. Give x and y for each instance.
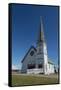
(40, 66)
(32, 53)
(31, 66)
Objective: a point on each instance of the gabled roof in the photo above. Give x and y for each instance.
(50, 61)
(28, 52)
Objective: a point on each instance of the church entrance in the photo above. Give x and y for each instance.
(31, 66)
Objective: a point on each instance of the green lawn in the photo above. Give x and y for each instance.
(21, 80)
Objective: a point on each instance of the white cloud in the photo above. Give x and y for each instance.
(14, 67)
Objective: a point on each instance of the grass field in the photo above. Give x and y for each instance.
(21, 80)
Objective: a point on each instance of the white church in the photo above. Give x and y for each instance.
(36, 60)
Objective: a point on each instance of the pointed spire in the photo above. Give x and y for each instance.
(41, 33)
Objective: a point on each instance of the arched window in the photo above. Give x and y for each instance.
(32, 53)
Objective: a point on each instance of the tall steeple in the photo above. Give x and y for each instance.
(41, 33)
(42, 56)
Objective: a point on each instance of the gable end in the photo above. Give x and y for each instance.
(28, 52)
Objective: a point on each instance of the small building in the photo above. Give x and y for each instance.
(36, 60)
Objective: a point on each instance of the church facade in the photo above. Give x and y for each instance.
(36, 60)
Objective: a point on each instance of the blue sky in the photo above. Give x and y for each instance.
(25, 28)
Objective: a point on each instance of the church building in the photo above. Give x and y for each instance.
(36, 60)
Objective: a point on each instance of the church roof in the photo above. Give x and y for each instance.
(50, 61)
(28, 52)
